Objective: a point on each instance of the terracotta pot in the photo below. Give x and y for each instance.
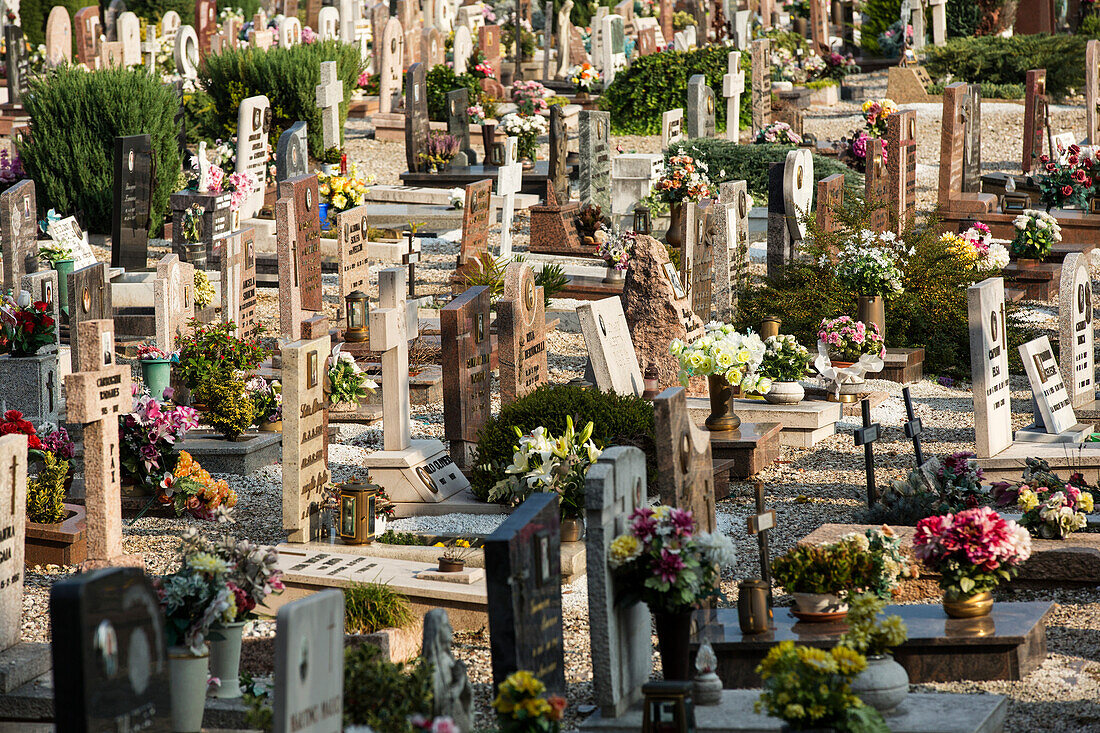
(674, 642)
(872, 309)
(675, 234)
(451, 566)
(571, 529)
(972, 606)
(722, 417)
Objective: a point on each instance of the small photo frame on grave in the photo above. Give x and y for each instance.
(311, 370)
(674, 279)
(107, 344)
(479, 327)
(542, 557)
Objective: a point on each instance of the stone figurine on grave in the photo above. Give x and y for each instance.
(467, 372)
(700, 108)
(562, 42)
(18, 232)
(521, 334)
(458, 124)
(452, 695)
(610, 352)
(389, 83)
(292, 152)
(253, 125)
(1075, 330)
(595, 155)
(989, 366)
(684, 467)
(509, 183)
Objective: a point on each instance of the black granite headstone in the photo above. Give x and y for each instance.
(559, 153)
(523, 590)
(110, 662)
(17, 63)
(416, 118)
(458, 124)
(133, 193)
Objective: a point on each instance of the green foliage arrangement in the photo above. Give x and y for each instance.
(153, 10)
(728, 161)
(656, 83)
(866, 634)
(997, 60)
(389, 537)
(287, 76)
(213, 350)
(75, 117)
(963, 18)
(33, 15)
(46, 491)
(989, 91)
(442, 79)
(552, 279)
(369, 607)
(384, 695)
(229, 409)
(833, 568)
(681, 20)
(878, 15)
(617, 420)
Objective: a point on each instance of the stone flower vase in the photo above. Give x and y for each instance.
(883, 684)
(785, 393)
(225, 658)
(188, 674)
(157, 376)
(872, 309)
(722, 417)
(614, 275)
(675, 234)
(674, 642)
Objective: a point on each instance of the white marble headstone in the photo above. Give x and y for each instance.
(463, 47)
(989, 366)
(1075, 330)
(1046, 385)
(610, 350)
(309, 665)
(798, 190)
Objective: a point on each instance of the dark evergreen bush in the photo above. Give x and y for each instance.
(878, 15)
(287, 76)
(442, 79)
(153, 10)
(33, 14)
(657, 83)
(617, 420)
(75, 117)
(997, 60)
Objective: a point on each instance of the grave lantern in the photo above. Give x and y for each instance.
(642, 223)
(355, 305)
(357, 502)
(668, 707)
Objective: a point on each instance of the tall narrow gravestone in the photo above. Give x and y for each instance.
(1035, 118)
(309, 665)
(253, 124)
(305, 472)
(18, 230)
(761, 85)
(523, 591)
(416, 118)
(298, 235)
(13, 525)
(467, 374)
(173, 300)
(989, 366)
(89, 300)
(901, 142)
(733, 86)
(18, 65)
(110, 654)
(238, 270)
(700, 107)
(685, 470)
(133, 198)
(521, 329)
(351, 243)
(1092, 92)
(595, 154)
(476, 213)
(1075, 330)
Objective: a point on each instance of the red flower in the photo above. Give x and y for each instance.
(1051, 167)
(1067, 190)
(1072, 160)
(1043, 159)
(47, 321)
(40, 306)
(28, 326)
(1079, 175)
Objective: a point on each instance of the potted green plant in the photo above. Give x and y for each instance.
(819, 578)
(330, 161)
(55, 532)
(884, 683)
(61, 260)
(785, 362)
(228, 408)
(728, 359)
(455, 554)
(347, 384)
(156, 370)
(212, 349)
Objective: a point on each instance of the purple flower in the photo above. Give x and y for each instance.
(946, 381)
(669, 566)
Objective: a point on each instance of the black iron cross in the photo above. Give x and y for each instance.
(913, 427)
(866, 436)
(410, 258)
(760, 524)
(49, 388)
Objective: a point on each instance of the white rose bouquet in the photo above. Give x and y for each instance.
(725, 352)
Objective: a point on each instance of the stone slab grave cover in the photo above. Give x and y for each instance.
(958, 117)
(59, 37)
(989, 366)
(309, 665)
(17, 63)
(700, 107)
(173, 300)
(238, 271)
(622, 651)
(672, 127)
(18, 231)
(89, 299)
(292, 152)
(901, 136)
(523, 590)
(411, 471)
(610, 351)
(1075, 330)
(298, 231)
(305, 471)
(352, 245)
(476, 218)
(1035, 118)
(110, 654)
(253, 125)
(97, 393)
(761, 85)
(467, 376)
(1054, 409)
(509, 183)
(458, 124)
(595, 155)
(684, 462)
(521, 334)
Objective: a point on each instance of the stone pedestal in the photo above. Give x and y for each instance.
(904, 366)
(804, 425)
(32, 385)
(217, 219)
(752, 447)
(422, 474)
(1037, 434)
(1039, 281)
(241, 457)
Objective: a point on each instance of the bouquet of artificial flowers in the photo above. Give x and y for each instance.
(725, 352)
(684, 179)
(848, 339)
(778, 133)
(973, 550)
(615, 250)
(584, 76)
(1036, 233)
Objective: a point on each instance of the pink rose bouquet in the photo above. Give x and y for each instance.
(973, 550)
(847, 339)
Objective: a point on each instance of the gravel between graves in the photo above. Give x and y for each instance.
(806, 487)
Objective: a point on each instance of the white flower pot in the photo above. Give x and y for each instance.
(380, 526)
(785, 393)
(330, 169)
(225, 658)
(883, 685)
(819, 603)
(188, 675)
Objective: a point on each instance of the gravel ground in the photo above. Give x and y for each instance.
(806, 487)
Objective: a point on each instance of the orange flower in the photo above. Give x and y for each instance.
(231, 501)
(557, 706)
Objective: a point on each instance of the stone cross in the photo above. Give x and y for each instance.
(989, 367)
(96, 394)
(901, 142)
(173, 300)
(1035, 117)
(733, 86)
(595, 155)
(18, 231)
(509, 183)
(866, 436)
(467, 372)
(622, 650)
(913, 426)
(1075, 330)
(330, 93)
(672, 127)
(150, 47)
(392, 325)
(59, 37)
(761, 85)
(700, 107)
(1053, 407)
(610, 350)
(389, 84)
(760, 524)
(253, 124)
(521, 334)
(1092, 92)
(463, 48)
(685, 473)
(305, 472)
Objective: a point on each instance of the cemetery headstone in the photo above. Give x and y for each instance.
(416, 118)
(901, 141)
(18, 231)
(129, 35)
(89, 299)
(509, 183)
(292, 152)
(1052, 403)
(1075, 330)
(972, 141)
(170, 25)
(389, 83)
(956, 118)
(733, 86)
(17, 63)
(298, 231)
(458, 124)
(290, 32)
(305, 472)
(559, 154)
(672, 127)
(700, 107)
(877, 186)
(523, 590)
(173, 300)
(1035, 117)
(13, 526)
(86, 21)
(830, 195)
(328, 20)
(309, 665)
(349, 12)
(59, 37)
(1092, 92)
(238, 271)
(476, 214)
(186, 52)
(206, 23)
(595, 154)
(521, 334)
(467, 374)
(761, 85)
(43, 288)
(684, 468)
(133, 199)
(610, 351)
(351, 243)
(463, 49)
(989, 366)
(728, 228)
(488, 40)
(253, 126)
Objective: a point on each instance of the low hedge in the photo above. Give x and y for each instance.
(989, 91)
(617, 420)
(75, 116)
(657, 83)
(997, 60)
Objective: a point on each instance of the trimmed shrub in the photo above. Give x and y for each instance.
(442, 79)
(33, 14)
(728, 161)
(287, 76)
(878, 15)
(963, 18)
(75, 117)
(617, 420)
(657, 83)
(153, 10)
(989, 91)
(384, 695)
(997, 60)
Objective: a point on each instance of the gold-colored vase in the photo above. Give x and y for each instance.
(722, 417)
(956, 606)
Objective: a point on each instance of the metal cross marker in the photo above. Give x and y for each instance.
(760, 524)
(866, 436)
(913, 427)
(410, 258)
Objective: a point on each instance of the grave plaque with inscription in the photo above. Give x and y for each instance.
(467, 376)
(89, 300)
(305, 472)
(610, 350)
(18, 230)
(351, 243)
(595, 153)
(309, 665)
(306, 236)
(521, 329)
(989, 366)
(1075, 330)
(1053, 403)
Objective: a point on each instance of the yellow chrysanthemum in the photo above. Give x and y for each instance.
(624, 548)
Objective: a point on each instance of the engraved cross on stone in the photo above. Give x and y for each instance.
(866, 436)
(913, 426)
(760, 524)
(509, 183)
(150, 47)
(330, 92)
(392, 324)
(733, 86)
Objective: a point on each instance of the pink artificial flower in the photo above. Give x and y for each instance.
(669, 566)
(683, 524)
